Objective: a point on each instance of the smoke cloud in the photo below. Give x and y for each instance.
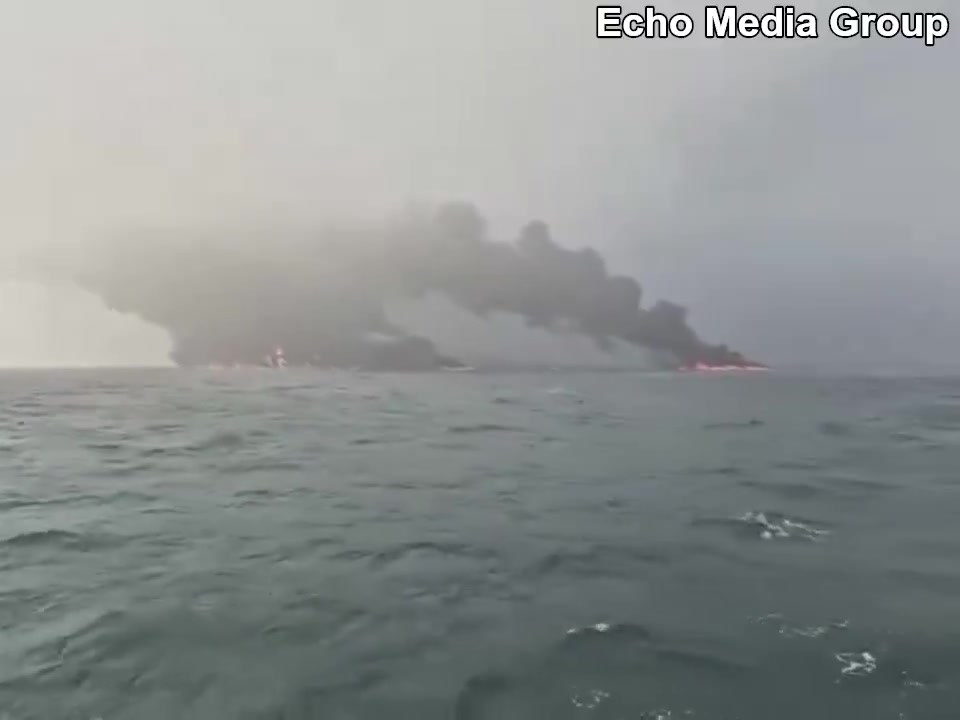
(233, 297)
(797, 195)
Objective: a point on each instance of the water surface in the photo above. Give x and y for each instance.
(260, 544)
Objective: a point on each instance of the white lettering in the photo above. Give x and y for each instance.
(888, 25)
(681, 25)
(721, 26)
(937, 26)
(783, 22)
(844, 22)
(807, 26)
(748, 25)
(912, 27)
(608, 22)
(771, 24)
(848, 22)
(660, 21)
(651, 24)
(633, 25)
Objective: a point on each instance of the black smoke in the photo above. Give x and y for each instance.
(232, 297)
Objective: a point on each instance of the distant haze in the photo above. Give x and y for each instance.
(795, 195)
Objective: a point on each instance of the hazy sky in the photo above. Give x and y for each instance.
(797, 195)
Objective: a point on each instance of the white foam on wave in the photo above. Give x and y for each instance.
(806, 632)
(782, 528)
(857, 663)
(590, 699)
(812, 632)
(909, 682)
(599, 627)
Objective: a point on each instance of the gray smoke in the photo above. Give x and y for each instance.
(232, 297)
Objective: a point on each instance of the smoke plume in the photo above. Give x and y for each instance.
(232, 297)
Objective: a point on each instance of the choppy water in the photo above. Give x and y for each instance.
(473, 547)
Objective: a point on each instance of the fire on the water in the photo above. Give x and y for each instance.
(277, 359)
(707, 367)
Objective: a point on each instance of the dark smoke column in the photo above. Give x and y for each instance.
(234, 297)
(548, 285)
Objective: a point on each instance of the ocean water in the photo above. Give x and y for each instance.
(625, 546)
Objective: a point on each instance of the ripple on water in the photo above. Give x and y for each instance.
(55, 539)
(482, 428)
(856, 485)
(417, 552)
(938, 416)
(218, 441)
(800, 465)
(124, 469)
(832, 428)
(734, 425)
(786, 490)
(257, 465)
(106, 446)
(721, 470)
(597, 560)
(611, 670)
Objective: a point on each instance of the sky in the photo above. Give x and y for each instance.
(796, 195)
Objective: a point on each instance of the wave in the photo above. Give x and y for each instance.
(59, 540)
(482, 428)
(768, 526)
(733, 425)
(599, 559)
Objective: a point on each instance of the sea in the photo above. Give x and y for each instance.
(268, 545)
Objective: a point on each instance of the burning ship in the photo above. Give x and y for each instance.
(707, 367)
(283, 301)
